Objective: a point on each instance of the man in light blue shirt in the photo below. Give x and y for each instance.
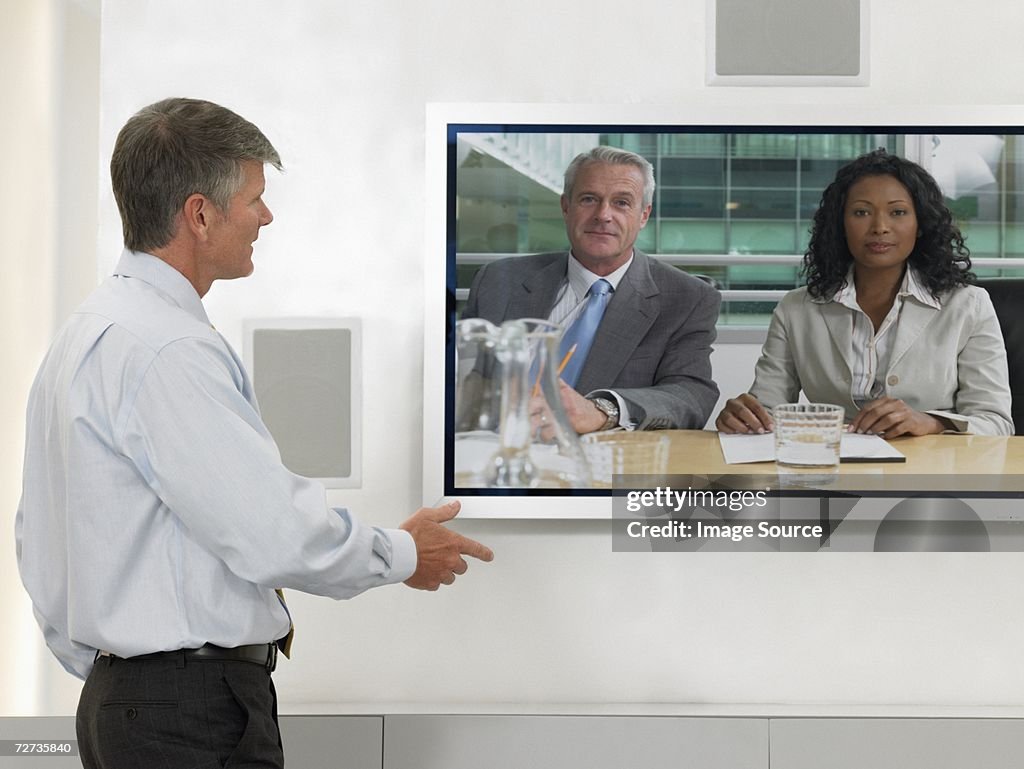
(157, 520)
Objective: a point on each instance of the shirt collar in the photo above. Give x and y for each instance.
(581, 279)
(911, 286)
(164, 278)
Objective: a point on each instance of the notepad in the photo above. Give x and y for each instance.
(853, 447)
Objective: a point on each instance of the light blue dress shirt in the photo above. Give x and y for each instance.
(155, 512)
(569, 303)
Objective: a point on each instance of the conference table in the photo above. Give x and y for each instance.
(972, 464)
(954, 492)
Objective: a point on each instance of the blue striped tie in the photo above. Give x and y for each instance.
(581, 332)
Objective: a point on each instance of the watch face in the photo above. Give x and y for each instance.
(610, 409)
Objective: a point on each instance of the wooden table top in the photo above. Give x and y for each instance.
(959, 462)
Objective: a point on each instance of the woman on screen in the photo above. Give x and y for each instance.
(888, 325)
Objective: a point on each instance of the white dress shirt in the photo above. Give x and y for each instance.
(155, 512)
(871, 349)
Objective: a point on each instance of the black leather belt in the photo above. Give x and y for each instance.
(259, 654)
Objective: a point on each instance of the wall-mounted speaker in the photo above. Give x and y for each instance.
(306, 376)
(787, 42)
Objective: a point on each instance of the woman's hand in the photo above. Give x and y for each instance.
(891, 417)
(744, 414)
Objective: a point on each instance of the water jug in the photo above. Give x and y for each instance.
(511, 430)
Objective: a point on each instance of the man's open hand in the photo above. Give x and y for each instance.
(439, 550)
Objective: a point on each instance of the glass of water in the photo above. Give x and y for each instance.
(808, 434)
(625, 453)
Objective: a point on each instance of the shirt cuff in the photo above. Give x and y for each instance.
(624, 421)
(955, 422)
(403, 554)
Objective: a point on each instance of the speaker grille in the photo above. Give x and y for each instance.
(788, 38)
(303, 378)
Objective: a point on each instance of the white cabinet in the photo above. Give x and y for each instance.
(426, 741)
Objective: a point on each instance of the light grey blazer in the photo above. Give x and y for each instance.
(653, 346)
(950, 362)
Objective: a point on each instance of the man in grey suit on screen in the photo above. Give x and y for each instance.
(647, 366)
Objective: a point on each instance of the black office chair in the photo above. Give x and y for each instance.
(1008, 299)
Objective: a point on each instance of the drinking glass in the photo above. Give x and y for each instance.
(808, 434)
(625, 453)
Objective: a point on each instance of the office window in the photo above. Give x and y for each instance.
(735, 207)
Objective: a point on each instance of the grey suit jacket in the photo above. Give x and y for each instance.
(653, 346)
(950, 361)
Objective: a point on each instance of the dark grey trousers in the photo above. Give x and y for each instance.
(172, 713)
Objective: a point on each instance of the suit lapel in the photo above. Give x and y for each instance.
(631, 312)
(535, 295)
(840, 328)
(914, 317)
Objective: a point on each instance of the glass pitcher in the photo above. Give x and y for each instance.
(511, 430)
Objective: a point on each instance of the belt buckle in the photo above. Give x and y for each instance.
(271, 657)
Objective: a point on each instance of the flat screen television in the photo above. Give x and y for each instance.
(736, 190)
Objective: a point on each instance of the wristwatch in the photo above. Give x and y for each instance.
(610, 409)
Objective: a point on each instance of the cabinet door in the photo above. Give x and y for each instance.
(559, 742)
(19, 734)
(331, 742)
(896, 743)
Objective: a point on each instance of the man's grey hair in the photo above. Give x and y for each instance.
(613, 156)
(173, 149)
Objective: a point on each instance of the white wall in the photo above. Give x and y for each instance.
(24, 295)
(340, 88)
(49, 81)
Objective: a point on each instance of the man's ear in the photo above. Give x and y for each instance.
(196, 215)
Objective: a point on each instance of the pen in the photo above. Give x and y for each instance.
(561, 368)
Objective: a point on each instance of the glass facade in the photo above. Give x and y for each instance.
(736, 194)
(987, 195)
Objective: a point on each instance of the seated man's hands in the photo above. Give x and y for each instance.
(891, 418)
(541, 419)
(583, 415)
(744, 414)
(439, 550)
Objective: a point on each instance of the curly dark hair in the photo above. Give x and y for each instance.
(940, 257)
